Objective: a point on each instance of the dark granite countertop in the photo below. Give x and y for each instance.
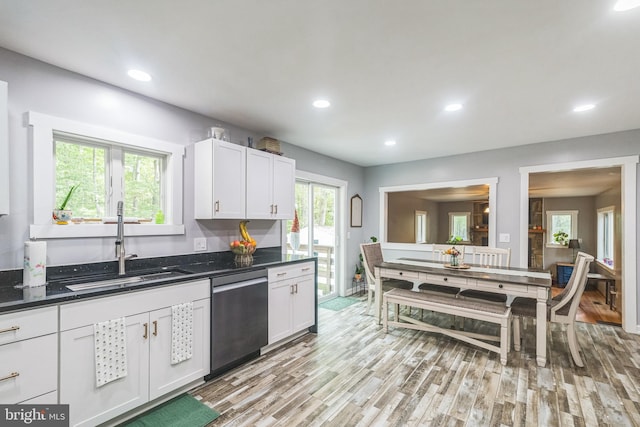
(181, 268)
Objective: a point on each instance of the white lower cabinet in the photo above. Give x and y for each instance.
(150, 373)
(29, 356)
(291, 300)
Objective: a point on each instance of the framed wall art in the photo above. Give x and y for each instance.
(356, 211)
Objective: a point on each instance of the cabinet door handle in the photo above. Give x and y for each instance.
(146, 331)
(296, 285)
(291, 289)
(217, 206)
(306, 269)
(271, 209)
(276, 212)
(11, 329)
(155, 328)
(282, 274)
(11, 375)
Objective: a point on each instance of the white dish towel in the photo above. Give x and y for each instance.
(181, 332)
(110, 341)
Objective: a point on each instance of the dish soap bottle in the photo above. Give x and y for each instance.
(160, 218)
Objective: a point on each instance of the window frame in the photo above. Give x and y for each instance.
(573, 234)
(421, 217)
(601, 212)
(467, 238)
(43, 127)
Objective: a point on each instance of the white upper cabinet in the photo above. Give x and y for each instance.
(220, 180)
(235, 182)
(4, 149)
(270, 186)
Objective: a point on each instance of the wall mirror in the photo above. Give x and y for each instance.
(356, 211)
(414, 216)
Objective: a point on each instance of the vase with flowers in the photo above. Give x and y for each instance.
(454, 254)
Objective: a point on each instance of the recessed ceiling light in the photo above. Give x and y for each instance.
(624, 5)
(390, 143)
(585, 107)
(139, 75)
(321, 103)
(453, 107)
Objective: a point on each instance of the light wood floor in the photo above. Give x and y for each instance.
(352, 374)
(593, 308)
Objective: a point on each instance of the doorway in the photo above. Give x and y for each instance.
(315, 231)
(627, 212)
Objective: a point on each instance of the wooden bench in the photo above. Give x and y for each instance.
(473, 309)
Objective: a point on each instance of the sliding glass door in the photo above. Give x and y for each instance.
(313, 231)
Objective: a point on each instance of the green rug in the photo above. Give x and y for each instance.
(181, 411)
(338, 303)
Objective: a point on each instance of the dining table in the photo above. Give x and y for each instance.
(510, 281)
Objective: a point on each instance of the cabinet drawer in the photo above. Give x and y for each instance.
(402, 275)
(504, 288)
(28, 368)
(78, 314)
(437, 279)
(291, 271)
(28, 324)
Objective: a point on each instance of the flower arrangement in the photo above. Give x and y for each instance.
(452, 251)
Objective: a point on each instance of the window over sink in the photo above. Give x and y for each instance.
(109, 166)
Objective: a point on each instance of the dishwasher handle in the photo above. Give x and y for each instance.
(236, 285)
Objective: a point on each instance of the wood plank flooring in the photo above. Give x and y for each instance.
(352, 374)
(593, 308)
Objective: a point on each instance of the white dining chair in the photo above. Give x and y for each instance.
(561, 309)
(488, 257)
(491, 257)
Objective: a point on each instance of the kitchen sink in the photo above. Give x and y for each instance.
(99, 281)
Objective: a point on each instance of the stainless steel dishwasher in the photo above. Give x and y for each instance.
(239, 318)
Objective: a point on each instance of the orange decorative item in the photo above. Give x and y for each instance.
(295, 227)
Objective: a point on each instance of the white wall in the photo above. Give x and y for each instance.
(36, 86)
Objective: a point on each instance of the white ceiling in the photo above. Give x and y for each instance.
(388, 68)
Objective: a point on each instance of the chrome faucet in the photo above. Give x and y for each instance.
(120, 251)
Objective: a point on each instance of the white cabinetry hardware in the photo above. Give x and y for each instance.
(291, 300)
(219, 179)
(150, 374)
(270, 186)
(29, 356)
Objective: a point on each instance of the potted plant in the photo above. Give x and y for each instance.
(359, 270)
(561, 238)
(62, 215)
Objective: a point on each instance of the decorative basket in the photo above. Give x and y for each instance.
(243, 260)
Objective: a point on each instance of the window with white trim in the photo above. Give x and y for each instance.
(606, 236)
(459, 225)
(421, 227)
(562, 226)
(104, 173)
(108, 166)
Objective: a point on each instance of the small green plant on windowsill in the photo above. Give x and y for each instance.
(62, 215)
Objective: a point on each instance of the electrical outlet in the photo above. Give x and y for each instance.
(200, 244)
(505, 238)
